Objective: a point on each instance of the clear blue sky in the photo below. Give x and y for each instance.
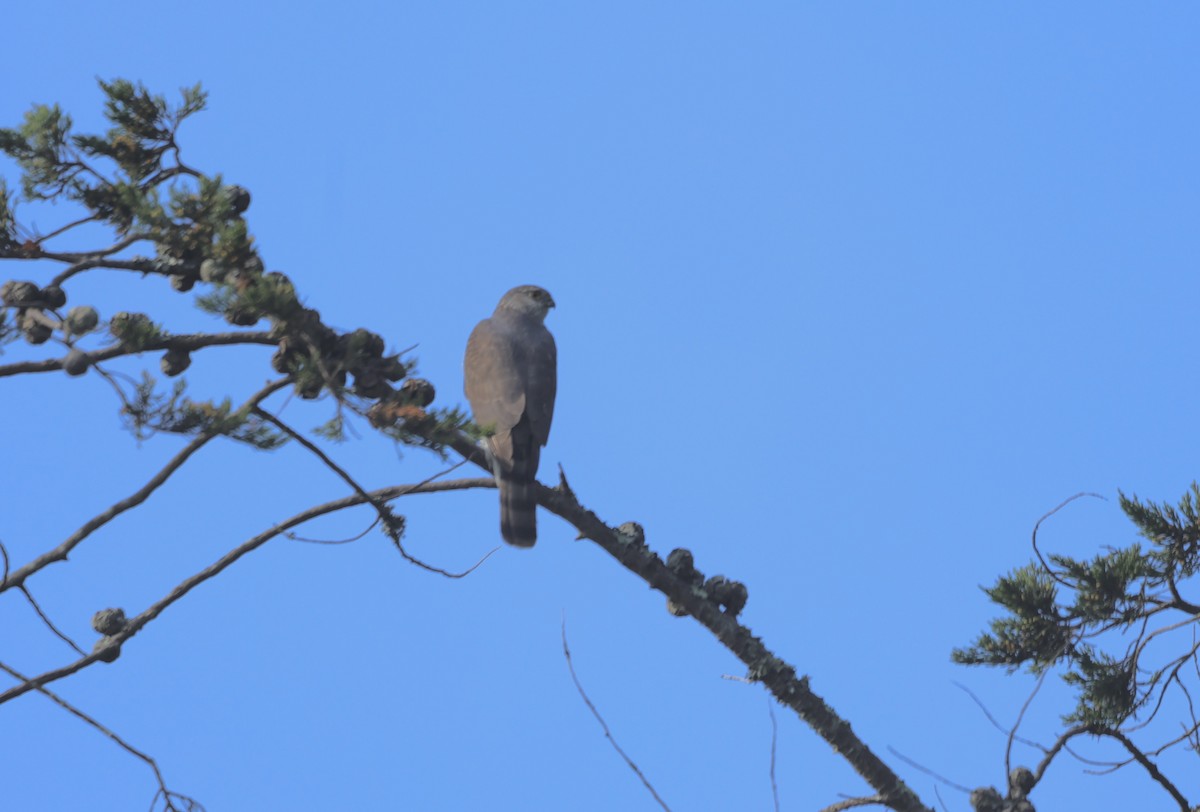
(849, 296)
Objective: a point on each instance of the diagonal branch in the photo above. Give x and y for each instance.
(1150, 766)
(1054, 749)
(604, 725)
(49, 623)
(778, 676)
(853, 803)
(60, 552)
(137, 623)
(58, 700)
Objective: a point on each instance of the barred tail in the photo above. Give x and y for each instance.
(518, 504)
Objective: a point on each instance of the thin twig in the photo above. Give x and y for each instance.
(29, 597)
(62, 703)
(851, 803)
(377, 520)
(63, 229)
(604, 725)
(392, 525)
(992, 719)
(1038, 552)
(774, 739)
(334, 542)
(1020, 717)
(928, 771)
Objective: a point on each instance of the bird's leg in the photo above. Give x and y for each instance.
(493, 463)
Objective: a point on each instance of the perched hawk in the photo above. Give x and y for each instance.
(510, 378)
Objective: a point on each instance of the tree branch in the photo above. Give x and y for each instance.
(190, 342)
(167, 794)
(1150, 766)
(135, 624)
(392, 524)
(604, 725)
(778, 676)
(60, 552)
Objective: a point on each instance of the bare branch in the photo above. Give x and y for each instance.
(943, 779)
(778, 676)
(774, 740)
(1038, 552)
(135, 624)
(1006, 731)
(167, 794)
(191, 343)
(91, 218)
(1149, 765)
(1054, 749)
(852, 803)
(29, 597)
(604, 725)
(60, 552)
(1021, 716)
(392, 524)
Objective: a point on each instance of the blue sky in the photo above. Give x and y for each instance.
(849, 296)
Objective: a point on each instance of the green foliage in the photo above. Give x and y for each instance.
(131, 177)
(1104, 585)
(151, 411)
(8, 330)
(1108, 691)
(1062, 611)
(144, 127)
(39, 146)
(1174, 532)
(8, 221)
(135, 331)
(1033, 633)
(56, 163)
(433, 429)
(333, 429)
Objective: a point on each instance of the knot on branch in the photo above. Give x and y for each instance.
(988, 799)
(633, 534)
(729, 594)
(108, 622)
(1020, 782)
(107, 649)
(726, 593)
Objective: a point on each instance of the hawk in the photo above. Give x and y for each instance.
(510, 378)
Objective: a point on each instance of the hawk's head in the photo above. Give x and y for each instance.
(527, 299)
